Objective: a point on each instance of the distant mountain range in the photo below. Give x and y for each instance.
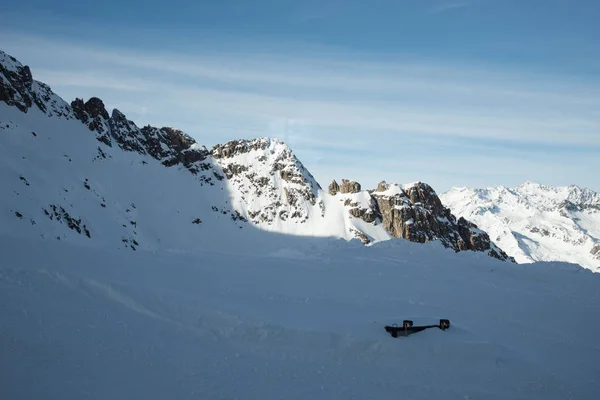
(534, 222)
(76, 172)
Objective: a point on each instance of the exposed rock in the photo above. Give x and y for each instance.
(382, 186)
(363, 238)
(349, 187)
(416, 213)
(19, 89)
(596, 251)
(126, 133)
(366, 214)
(541, 231)
(265, 178)
(170, 146)
(61, 215)
(334, 188)
(266, 169)
(15, 91)
(93, 114)
(237, 147)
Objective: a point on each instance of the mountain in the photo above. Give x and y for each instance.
(76, 172)
(535, 222)
(136, 263)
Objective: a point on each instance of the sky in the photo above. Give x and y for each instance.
(453, 93)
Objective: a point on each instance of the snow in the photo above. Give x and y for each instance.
(196, 146)
(393, 189)
(9, 63)
(302, 322)
(327, 217)
(222, 309)
(530, 222)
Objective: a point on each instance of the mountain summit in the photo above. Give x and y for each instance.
(76, 172)
(535, 222)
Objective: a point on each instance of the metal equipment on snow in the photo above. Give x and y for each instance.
(408, 328)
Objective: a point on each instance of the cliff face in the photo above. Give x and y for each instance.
(415, 212)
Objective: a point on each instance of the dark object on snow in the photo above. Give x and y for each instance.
(408, 328)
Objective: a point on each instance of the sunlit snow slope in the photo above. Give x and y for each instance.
(534, 222)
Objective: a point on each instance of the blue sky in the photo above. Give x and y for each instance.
(453, 93)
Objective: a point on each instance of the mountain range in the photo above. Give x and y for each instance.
(75, 172)
(137, 263)
(534, 222)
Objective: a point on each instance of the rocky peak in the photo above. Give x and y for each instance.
(18, 89)
(423, 194)
(334, 188)
(347, 186)
(269, 181)
(93, 114)
(382, 186)
(90, 110)
(415, 212)
(15, 83)
(168, 145)
(238, 147)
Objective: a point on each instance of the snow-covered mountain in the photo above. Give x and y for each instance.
(231, 295)
(75, 172)
(534, 222)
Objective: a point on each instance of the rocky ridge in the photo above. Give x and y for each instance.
(267, 185)
(415, 212)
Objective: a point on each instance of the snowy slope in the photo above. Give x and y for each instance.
(535, 222)
(305, 321)
(77, 173)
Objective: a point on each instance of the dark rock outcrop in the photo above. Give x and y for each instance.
(334, 188)
(94, 115)
(345, 187)
(169, 146)
(416, 213)
(596, 251)
(19, 89)
(349, 186)
(15, 86)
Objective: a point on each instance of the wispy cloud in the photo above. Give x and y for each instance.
(339, 108)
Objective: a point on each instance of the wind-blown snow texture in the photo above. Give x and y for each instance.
(534, 222)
